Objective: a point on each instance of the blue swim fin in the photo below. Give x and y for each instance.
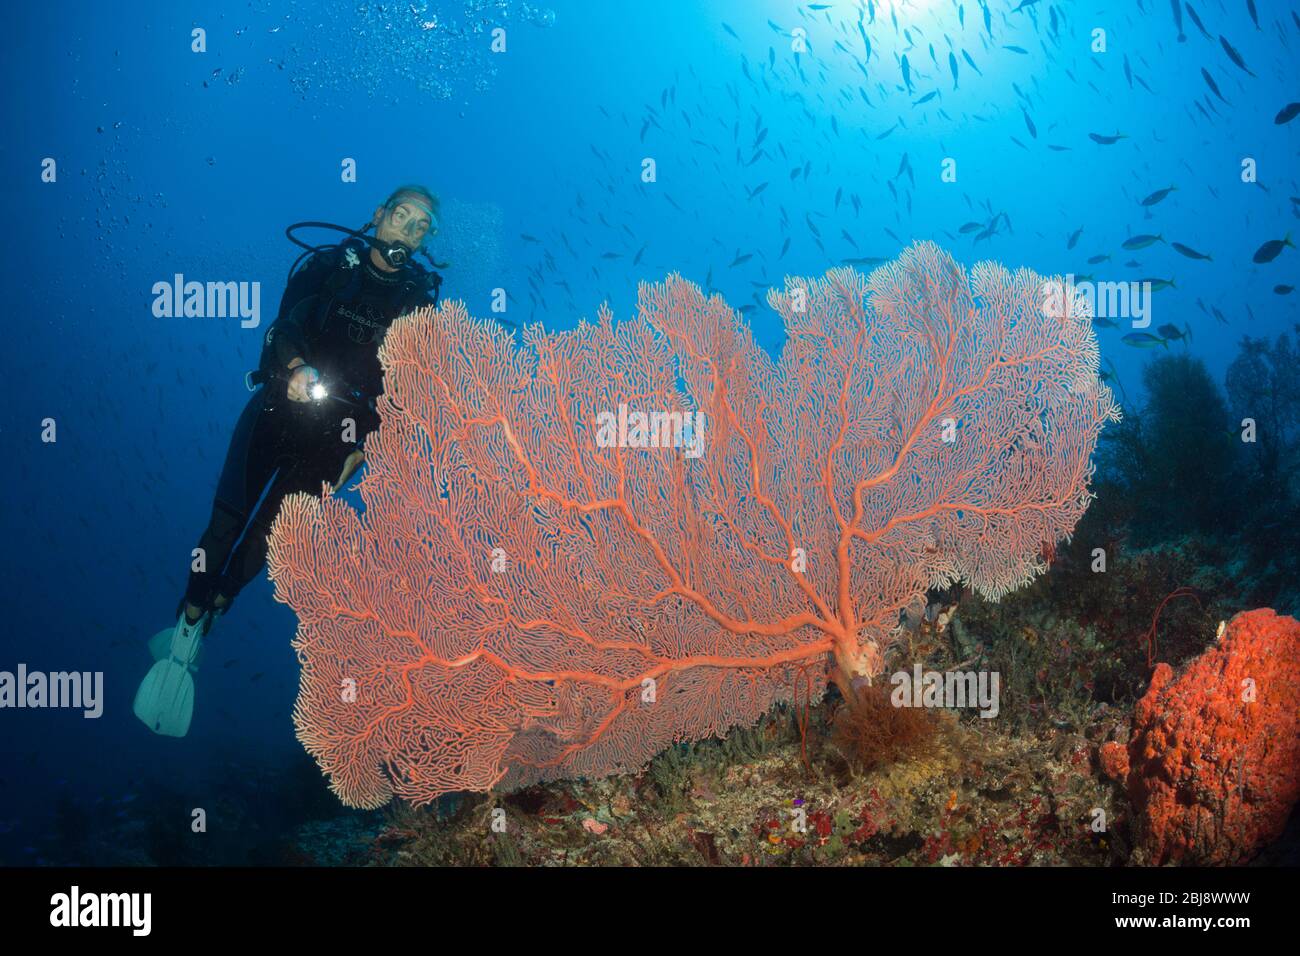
(165, 699)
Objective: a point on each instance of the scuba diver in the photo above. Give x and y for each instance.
(306, 423)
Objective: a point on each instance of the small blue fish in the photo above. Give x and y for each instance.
(1141, 242)
(1189, 252)
(1272, 249)
(1143, 340)
(1209, 81)
(1157, 196)
(1197, 20)
(1233, 55)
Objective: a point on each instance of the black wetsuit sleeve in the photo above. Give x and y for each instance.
(291, 335)
(371, 421)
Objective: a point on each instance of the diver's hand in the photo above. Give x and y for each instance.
(300, 383)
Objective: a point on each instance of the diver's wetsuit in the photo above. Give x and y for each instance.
(333, 315)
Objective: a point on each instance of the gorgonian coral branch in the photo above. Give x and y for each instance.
(524, 599)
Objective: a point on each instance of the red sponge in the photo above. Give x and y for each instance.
(1213, 766)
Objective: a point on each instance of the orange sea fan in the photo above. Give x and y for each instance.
(521, 601)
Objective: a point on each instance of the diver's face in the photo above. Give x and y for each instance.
(408, 222)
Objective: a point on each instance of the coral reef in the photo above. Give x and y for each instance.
(1213, 765)
(1175, 458)
(872, 732)
(1264, 390)
(975, 798)
(522, 601)
(1193, 463)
